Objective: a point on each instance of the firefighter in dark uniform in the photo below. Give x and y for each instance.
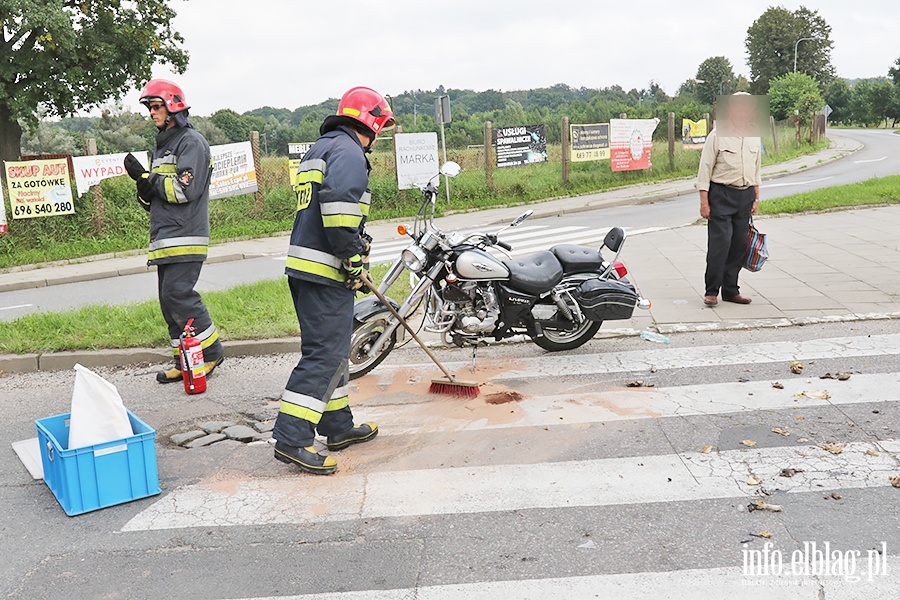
(176, 194)
(326, 260)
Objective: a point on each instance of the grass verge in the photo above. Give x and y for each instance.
(881, 190)
(251, 311)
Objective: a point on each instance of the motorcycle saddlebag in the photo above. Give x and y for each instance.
(606, 300)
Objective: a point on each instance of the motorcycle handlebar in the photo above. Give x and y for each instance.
(504, 245)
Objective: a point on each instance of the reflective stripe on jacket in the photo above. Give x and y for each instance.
(179, 210)
(332, 206)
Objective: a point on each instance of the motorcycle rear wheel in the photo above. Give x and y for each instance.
(364, 335)
(558, 341)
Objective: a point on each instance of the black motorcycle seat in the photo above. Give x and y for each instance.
(535, 273)
(577, 259)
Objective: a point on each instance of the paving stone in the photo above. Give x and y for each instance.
(241, 433)
(263, 437)
(179, 439)
(215, 426)
(264, 426)
(206, 440)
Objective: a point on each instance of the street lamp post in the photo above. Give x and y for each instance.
(796, 44)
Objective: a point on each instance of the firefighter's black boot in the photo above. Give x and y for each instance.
(306, 458)
(357, 435)
(170, 375)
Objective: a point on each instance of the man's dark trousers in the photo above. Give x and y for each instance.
(315, 397)
(728, 228)
(179, 302)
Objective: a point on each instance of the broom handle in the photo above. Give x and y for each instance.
(372, 287)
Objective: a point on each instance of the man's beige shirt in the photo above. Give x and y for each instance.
(734, 161)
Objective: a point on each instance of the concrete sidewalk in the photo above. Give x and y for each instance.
(130, 263)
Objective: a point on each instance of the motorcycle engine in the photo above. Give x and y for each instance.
(477, 306)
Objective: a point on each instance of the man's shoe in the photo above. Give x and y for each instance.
(357, 435)
(211, 365)
(306, 458)
(738, 299)
(170, 375)
(710, 300)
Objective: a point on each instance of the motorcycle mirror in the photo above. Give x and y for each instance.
(521, 218)
(450, 169)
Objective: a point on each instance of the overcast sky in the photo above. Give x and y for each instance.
(287, 53)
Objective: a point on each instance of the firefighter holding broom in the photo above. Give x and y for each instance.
(176, 194)
(326, 264)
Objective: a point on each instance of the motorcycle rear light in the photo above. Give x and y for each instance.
(620, 269)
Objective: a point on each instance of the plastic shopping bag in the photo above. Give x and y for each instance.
(757, 252)
(98, 414)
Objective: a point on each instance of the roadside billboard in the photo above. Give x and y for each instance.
(589, 142)
(630, 142)
(233, 171)
(91, 170)
(296, 152)
(517, 146)
(417, 159)
(39, 188)
(693, 134)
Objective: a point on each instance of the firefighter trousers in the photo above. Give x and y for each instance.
(179, 301)
(315, 398)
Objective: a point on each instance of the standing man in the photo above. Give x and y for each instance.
(325, 265)
(728, 181)
(176, 194)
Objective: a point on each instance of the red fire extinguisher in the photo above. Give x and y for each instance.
(193, 370)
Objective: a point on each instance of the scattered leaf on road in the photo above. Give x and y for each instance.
(789, 472)
(752, 480)
(842, 376)
(895, 481)
(872, 453)
(801, 440)
(634, 383)
(763, 505)
(826, 376)
(796, 367)
(814, 394)
(836, 496)
(799, 417)
(777, 386)
(780, 431)
(833, 448)
(763, 534)
(706, 449)
(748, 443)
(743, 380)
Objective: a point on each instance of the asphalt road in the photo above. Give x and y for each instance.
(581, 488)
(879, 157)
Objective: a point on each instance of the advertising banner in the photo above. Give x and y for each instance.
(630, 142)
(517, 146)
(296, 152)
(233, 170)
(693, 134)
(3, 227)
(39, 188)
(91, 170)
(417, 159)
(589, 142)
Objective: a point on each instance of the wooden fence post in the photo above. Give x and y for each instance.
(488, 157)
(99, 203)
(774, 134)
(564, 138)
(672, 141)
(259, 200)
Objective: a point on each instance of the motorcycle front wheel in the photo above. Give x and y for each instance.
(557, 341)
(365, 334)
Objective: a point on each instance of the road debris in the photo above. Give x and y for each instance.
(777, 386)
(838, 376)
(706, 449)
(833, 448)
(814, 394)
(895, 481)
(763, 505)
(836, 496)
(748, 443)
(790, 472)
(636, 383)
(762, 534)
(752, 480)
(780, 431)
(588, 544)
(872, 453)
(503, 397)
(796, 367)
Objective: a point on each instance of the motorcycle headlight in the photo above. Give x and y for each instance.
(414, 258)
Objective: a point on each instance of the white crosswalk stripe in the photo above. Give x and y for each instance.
(639, 477)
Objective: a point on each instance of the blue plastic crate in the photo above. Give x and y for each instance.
(93, 477)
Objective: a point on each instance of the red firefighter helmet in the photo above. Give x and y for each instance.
(165, 91)
(365, 106)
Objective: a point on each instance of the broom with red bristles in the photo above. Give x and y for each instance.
(448, 384)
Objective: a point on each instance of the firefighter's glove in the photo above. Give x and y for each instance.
(355, 272)
(135, 169)
(145, 191)
(366, 241)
